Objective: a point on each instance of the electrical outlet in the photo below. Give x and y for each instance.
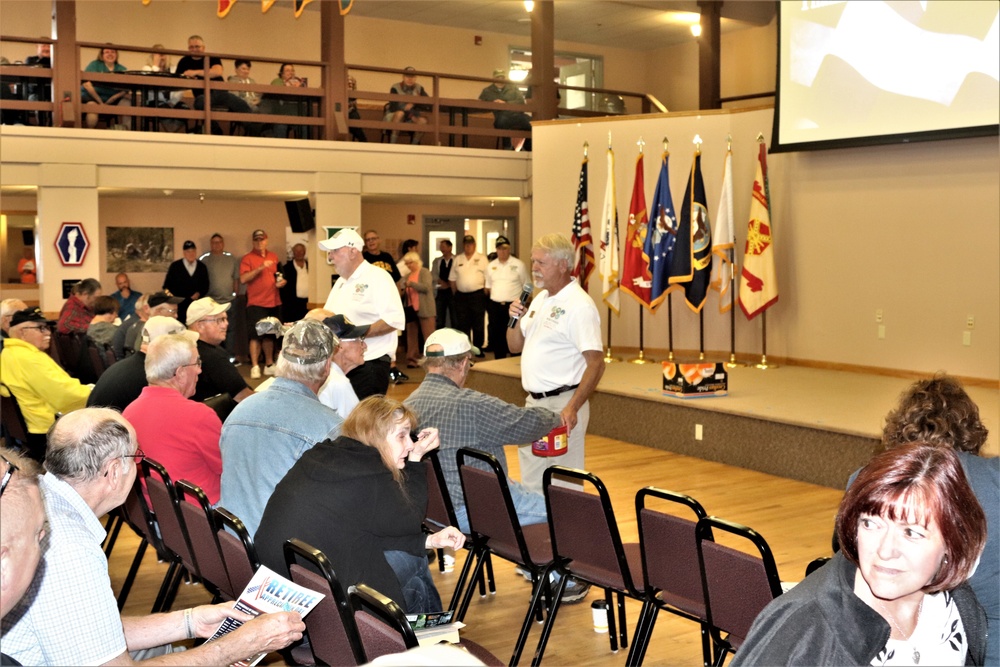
(966, 338)
(878, 316)
(970, 322)
(698, 432)
(881, 331)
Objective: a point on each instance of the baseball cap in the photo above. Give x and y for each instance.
(451, 341)
(409, 68)
(259, 234)
(345, 238)
(189, 245)
(307, 342)
(158, 325)
(344, 329)
(502, 240)
(499, 74)
(469, 238)
(29, 315)
(205, 307)
(160, 298)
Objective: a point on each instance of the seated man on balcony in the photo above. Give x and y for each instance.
(406, 112)
(502, 91)
(106, 63)
(193, 67)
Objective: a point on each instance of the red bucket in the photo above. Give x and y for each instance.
(556, 443)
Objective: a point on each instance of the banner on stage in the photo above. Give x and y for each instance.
(695, 380)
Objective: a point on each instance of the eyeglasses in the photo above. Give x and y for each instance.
(196, 363)
(170, 311)
(220, 320)
(11, 469)
(41, 327)
(138, 456)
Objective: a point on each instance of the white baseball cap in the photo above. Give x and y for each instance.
(205, 307)
(450, 341)
(345, 238)
(158, 325)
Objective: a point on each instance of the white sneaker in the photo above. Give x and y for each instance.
(255, 373)
(269, 370)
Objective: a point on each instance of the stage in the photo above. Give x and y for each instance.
(807, 424)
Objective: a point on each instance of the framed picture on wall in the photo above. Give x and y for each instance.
(138, 249)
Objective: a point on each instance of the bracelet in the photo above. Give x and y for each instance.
(187, 624)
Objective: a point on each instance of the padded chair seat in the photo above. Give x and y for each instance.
(538, 540)
(610, 578)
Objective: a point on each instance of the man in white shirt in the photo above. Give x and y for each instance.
(562, 360)
(367, 295)
(505, 280)
(468, 284)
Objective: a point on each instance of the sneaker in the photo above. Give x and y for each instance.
(523, 572)
(255, 373)
(269, 369)
(401, 376)
(576, 591)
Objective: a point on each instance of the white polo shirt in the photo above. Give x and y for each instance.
(367, 296)
(505, 281)
(557, 330)
(469, 273)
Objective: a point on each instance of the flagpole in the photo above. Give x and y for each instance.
(763, 365)
(641, 359)
(670, 326)
(608, 357)
(701, 335)
(732, 311)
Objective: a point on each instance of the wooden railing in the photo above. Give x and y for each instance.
(455, 116)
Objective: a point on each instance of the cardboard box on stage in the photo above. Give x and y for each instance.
(695, 380)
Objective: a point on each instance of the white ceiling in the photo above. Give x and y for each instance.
(638, 24)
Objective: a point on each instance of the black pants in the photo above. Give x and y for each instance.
(221, 98)
(371, 378)
(470, 311)
(443, 301)
(499, 315)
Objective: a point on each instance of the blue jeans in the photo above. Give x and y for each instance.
(529, 507)
(421, 596)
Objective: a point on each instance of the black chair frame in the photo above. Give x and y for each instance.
(193, 494)
(178, 568)
(367, 599)
(704, 532)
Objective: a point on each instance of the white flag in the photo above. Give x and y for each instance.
(609, 241)
(723, 241)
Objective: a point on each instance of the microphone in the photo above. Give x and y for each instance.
(526, 293)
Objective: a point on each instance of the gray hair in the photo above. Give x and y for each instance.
(87, 286)
(446, 364)
(10, 306)
(81, 442)
(165, 355)
(304, 373)
(556, 246)
(141, 302)
(413, 257)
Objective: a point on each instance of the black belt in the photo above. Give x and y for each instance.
(555, 392)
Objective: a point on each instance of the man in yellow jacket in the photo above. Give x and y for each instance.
(42, 388)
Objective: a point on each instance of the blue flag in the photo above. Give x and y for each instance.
(691, 262)
(662, 236)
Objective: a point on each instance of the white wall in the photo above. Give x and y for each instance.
(912, 230)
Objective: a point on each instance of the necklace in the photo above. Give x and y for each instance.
(903, 636)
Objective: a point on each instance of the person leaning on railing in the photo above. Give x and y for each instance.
(105, 63)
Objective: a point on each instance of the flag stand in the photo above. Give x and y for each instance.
(763, 365)
(670, 326)
(641, 359)
(732, 320)
(608, 357)
(701, 335)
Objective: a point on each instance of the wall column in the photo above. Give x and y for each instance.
(67, 193)
(709, 61)
(543, 56)
(338, 204)
(335, 79)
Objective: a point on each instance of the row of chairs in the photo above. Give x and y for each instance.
(214, 546)
(676, 566)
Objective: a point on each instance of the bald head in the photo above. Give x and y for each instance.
(22, 527)
(7, 309)
(82, 443)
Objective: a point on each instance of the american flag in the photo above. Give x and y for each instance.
(583, 244)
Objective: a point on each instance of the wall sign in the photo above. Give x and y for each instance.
(72, 244)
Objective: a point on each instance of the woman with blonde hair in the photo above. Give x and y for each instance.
(361, 499)
(418, 305)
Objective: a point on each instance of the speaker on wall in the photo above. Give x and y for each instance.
(28, 237)
(300, 215)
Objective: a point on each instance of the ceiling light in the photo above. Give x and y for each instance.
(696, 29)
(517, 74)
(529, 5)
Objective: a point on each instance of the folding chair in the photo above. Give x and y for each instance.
(196, 513)
(440, 514)
(381, 624)
(736, 585)
(670, 563)
(587, 546)
(136, 515)
(174, 538)
(237, 549)
(333, 636)
(15, 429)
(495, 527)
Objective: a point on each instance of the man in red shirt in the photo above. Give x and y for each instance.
(78, 310)
(259, 272)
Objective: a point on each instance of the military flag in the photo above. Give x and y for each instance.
(758, 279)
(265, 5)
(723, 240)
(224, 7)
(609, 241)
(300, 6)
(661, 236)
(691, 262)
(583, 243)
(635, 270)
